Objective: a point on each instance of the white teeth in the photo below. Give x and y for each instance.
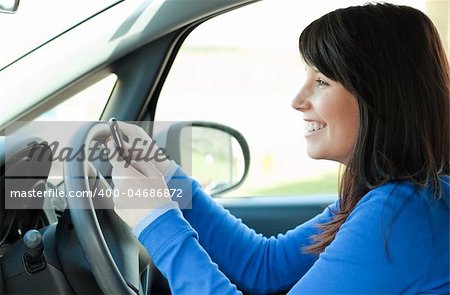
(314, 126)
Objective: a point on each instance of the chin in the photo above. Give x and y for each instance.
(321, 156)
(315, 155)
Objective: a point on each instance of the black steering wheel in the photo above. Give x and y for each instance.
(120, 276)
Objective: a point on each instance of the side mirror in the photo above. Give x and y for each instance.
(218, 156)
(9, 6)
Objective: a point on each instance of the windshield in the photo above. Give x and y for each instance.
(38, 21)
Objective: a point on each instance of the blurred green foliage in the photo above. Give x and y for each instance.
(327, 183)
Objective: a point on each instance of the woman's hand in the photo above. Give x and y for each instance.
(141, 147)
(138, 184)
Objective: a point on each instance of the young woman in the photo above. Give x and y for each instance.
(376, 99)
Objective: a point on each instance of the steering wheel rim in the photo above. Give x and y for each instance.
(87, 228)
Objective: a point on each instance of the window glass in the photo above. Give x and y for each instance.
(37, 21)
(86, 105)
(242, 69)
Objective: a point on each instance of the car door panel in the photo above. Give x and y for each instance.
(276, 214)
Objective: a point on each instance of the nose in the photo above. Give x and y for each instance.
(300, 101)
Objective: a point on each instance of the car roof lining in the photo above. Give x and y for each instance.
(74, 55)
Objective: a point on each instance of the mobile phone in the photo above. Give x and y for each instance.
(118, 138)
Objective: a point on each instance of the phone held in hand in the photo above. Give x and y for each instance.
(118, 138)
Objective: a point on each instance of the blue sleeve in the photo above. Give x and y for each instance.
(384, 247)
(253, 262)
(174, 248)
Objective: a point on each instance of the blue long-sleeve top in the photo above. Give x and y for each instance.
(396, 240)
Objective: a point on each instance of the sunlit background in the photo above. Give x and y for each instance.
(241, 69)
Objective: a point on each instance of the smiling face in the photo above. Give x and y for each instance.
(331, 117)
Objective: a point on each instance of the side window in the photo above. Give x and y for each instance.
(242, 69)
(86, 105)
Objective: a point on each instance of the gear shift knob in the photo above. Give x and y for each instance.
(34, 249)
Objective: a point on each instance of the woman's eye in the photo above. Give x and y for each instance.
(321, 82)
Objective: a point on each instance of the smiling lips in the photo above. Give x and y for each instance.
(312, 126)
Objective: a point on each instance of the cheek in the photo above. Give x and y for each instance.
(353, 118)
(348, 126)
(348, 123)
(341, 113)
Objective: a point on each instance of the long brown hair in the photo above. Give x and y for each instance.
(392, 60)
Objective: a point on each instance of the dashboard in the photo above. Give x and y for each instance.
(24, 170)
(57, 265)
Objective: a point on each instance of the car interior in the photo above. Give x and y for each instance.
(72, 246)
